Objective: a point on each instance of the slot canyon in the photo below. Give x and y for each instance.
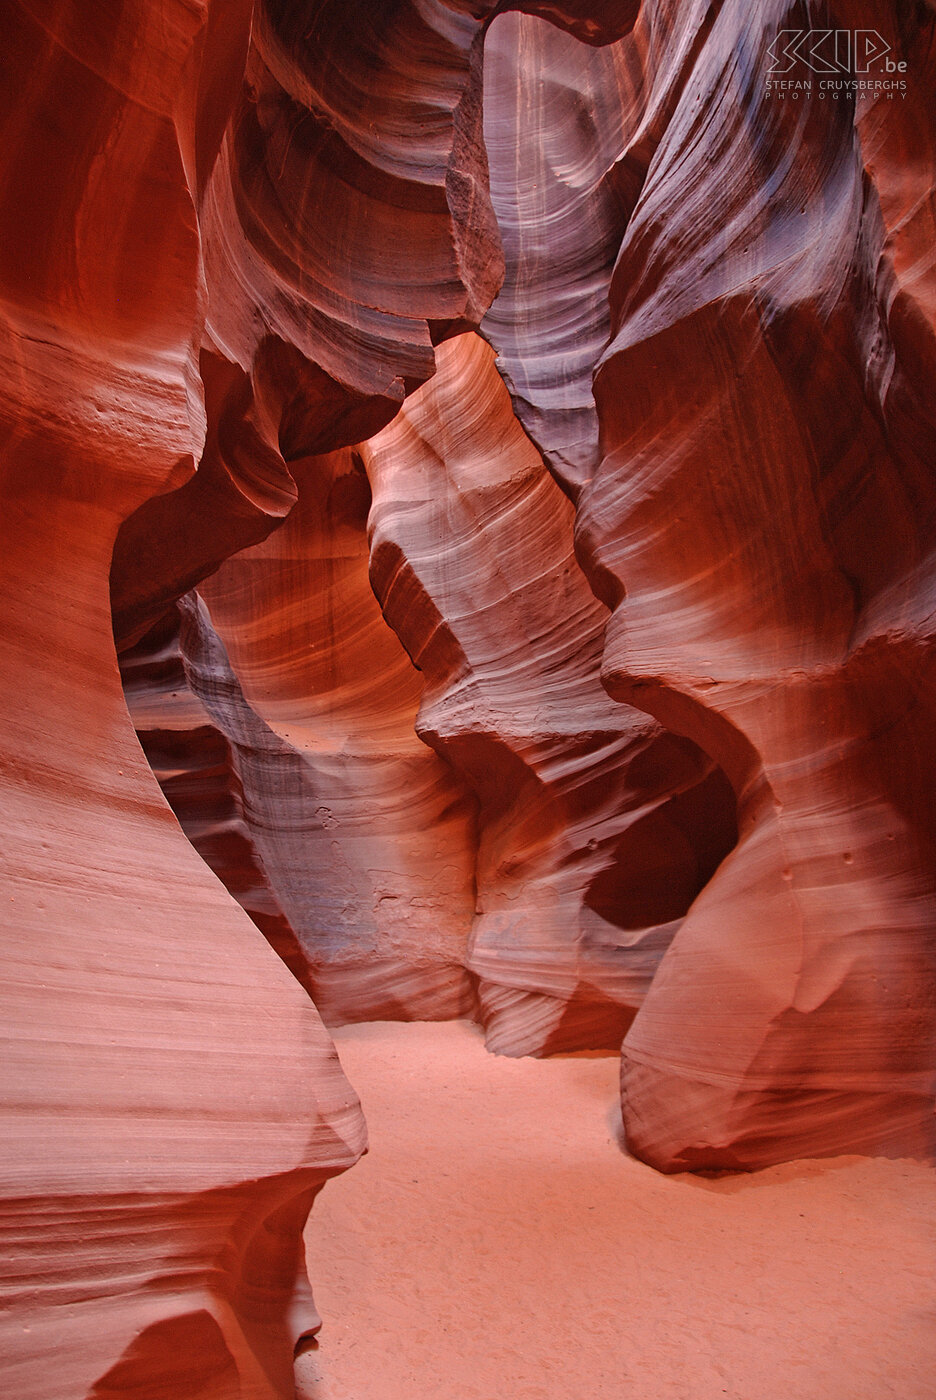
(467, 615)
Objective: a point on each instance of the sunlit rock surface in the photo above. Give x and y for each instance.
(546, 850)
(170, 1100)
(239, 238)
(570, 133)
(762, 524)
(597, 828)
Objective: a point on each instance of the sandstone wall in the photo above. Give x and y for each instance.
(593, 699)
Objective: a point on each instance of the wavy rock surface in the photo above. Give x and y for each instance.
(348, 217)
(597, 828)
(170, 1100)
(284, 732)
(570, 132)
(197, 765)
(232, 235)
(762, 523)
(346, 840)
(344, 224)
(555, 114)
(367, 836)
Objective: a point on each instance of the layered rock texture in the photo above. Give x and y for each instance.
(596, 827)
(278, 711)
(762, 523)
(500, 440)
(171, 1102)
(754, 502)
(489, 829)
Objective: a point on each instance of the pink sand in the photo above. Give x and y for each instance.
(497, 1244)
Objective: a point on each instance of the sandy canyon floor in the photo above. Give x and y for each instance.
(497, 1244)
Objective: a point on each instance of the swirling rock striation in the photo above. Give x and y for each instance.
(254, 225)
(170, 1100)
(570, 132)
(367, 837)
(554, 127)
(196, 765)
(597, 827)
(348, 215)
(344, 224)
(762, 523)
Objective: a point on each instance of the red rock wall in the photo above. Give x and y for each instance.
(368, 837)
(171, 1103)
(232, 236)
(779, 562)
(548, 848)
(180, 287)
(597, 829)
(754, 507)
(762, 523)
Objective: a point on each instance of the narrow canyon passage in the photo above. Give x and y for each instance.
(468, 512)
(496, 1242)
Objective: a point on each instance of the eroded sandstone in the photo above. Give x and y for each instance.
(763, 418)
(597, 828)
(687, 578)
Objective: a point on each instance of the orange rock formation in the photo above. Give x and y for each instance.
(592, 699)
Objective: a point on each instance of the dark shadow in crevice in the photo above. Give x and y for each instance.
(664, 860)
